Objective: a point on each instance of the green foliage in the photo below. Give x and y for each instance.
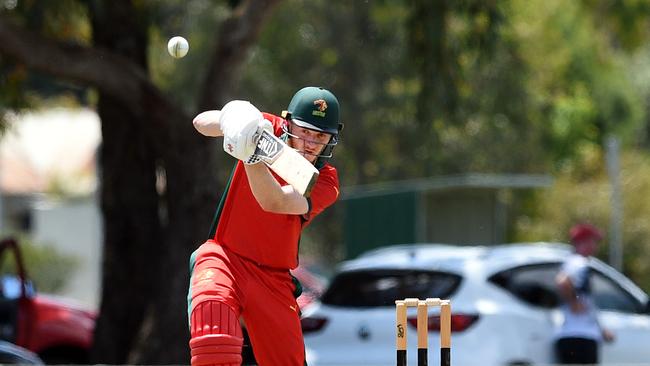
(198, 22)
(12, 97)
(66, 21)
(580, 82)
(528, 85)
(625, 22)
(531, 82)
(44, 265)
(356, 49)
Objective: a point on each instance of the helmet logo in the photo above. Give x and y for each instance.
(322, 106)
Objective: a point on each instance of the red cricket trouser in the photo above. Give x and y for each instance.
(262, 296)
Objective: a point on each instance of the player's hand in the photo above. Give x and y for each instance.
(608, 336)
(263, 125)
(241, 124)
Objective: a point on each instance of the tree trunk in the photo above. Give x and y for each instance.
(437, 94)
(129, 200)
(130, 208)
(188, 161)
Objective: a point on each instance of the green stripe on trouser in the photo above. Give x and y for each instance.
(189, 290)
(297, 292)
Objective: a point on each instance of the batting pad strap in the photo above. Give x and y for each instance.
(216, 349)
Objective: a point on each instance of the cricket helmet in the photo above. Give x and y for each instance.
(317, 109)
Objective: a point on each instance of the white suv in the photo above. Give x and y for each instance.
(504, 306)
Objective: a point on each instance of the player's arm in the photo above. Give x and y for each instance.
(240, 124)
(207, 123)
(273, 197)
(568, 292)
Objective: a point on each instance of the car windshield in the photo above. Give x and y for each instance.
(382, 287)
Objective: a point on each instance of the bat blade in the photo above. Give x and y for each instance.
(287, 163)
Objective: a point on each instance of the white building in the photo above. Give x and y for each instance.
(53, 151)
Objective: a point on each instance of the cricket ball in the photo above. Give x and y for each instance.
(178, 46)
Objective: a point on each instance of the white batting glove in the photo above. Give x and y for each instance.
(263, 125)
(242, 124)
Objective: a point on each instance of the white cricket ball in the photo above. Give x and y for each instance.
(178, 46)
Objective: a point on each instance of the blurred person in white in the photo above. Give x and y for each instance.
(579, 337)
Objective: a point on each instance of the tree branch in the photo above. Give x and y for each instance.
(110, 73)
(234, 40)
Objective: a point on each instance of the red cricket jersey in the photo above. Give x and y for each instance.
(266, 238)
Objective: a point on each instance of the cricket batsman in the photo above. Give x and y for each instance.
(243, 270)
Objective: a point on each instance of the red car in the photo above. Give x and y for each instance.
(55, 329)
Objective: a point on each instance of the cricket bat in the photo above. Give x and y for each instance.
(286, 162)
